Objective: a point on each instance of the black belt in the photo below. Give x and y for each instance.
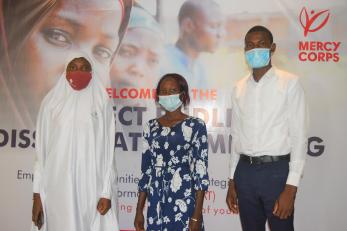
(263, 159)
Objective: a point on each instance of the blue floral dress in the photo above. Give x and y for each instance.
(174, 166)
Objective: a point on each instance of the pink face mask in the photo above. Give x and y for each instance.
(78, 80)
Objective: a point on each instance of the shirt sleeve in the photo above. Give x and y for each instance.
(109, 134)
(200, 157)
(234, 156)
(298, 125)
(146, 169)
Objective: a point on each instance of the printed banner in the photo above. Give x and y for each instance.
(134, 44)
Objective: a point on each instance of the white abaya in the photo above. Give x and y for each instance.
(75, 157)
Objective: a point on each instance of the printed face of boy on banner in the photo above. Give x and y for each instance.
(138, 60)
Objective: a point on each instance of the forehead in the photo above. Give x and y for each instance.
(105, 20)
(169, 83)
(209, 13)
(257, 36)
(143, 38)
(91, 4)
(81, 61)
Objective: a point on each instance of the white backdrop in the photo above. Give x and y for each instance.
(320, 203)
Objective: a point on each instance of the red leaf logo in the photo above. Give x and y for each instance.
(307, 20)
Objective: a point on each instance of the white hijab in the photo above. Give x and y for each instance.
(62, 95)
(76, 132)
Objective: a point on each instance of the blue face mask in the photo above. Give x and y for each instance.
(170, 102)
(258, 57)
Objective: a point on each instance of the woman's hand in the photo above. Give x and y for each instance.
(194, 224)
(139, 221)
(37, 212)
(195, 220)
(103, 206)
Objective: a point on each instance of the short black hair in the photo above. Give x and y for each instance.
(191, 8)
(259, 28)
(187, 10)
(182, 83)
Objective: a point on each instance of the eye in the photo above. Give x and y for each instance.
(72, 67)
(102, 53)
(262, 44)
(173, 91)
(127, 52)
(215, 25)
(86, 68)
(153, 60)
(162, 92)
(57, 37)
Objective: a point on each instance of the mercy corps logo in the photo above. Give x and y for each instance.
(316, 51)
(307, 22)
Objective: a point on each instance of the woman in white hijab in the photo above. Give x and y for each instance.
(74, 169)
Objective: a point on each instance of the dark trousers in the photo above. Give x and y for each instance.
(258, 186)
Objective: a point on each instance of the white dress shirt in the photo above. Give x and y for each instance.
(269, 117)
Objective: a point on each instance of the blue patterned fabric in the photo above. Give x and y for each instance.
(174, 166)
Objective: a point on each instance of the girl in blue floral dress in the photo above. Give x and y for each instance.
(174, 164)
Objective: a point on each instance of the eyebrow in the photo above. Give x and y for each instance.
(63, 16)
(257, 41)
(153, 53)
(170, 89)
(76, 24)
(126, 45)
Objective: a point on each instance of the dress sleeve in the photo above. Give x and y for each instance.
(41, 140)
(200, 157)
(109, 132)
(145, 162)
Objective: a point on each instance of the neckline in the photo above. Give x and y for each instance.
(174, 125)
(267, 75)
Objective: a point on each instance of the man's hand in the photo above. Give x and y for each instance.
(103, 206)
(139, 221)
(232, 198)
(284, 206)
(37, 211)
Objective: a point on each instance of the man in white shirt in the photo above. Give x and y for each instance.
(269, 125)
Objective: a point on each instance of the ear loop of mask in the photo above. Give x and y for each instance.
(271, 52)
(182, 96)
